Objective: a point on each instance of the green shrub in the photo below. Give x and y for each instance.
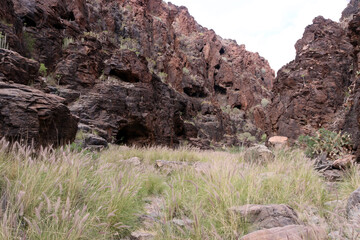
(332, 143)
(43, 70)
(264, 102)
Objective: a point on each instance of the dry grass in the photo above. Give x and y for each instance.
(60, 194)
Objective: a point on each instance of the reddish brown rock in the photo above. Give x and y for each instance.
(291, 232)
(17, 68)
(344, 162)
(266, 216)
(309, 92)
(31, 115)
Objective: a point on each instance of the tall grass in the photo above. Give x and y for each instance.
(65, 194)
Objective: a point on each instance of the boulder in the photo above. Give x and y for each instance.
(31, 115)
(18, 69)
(93, 140)
(278, 141)
(266, 216)
(290, 232)
(258, 154)
(353, 206)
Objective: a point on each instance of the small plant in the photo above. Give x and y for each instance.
(3, 41)
(29, 41)
(332, 143)
(264, 102)
(66, 42)
(185, 71)
(162, 76)
(43, 70)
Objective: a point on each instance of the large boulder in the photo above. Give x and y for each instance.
(30, 115)
(258, 154)
(291, 232)
(266, 216)
(16, 68)
(353, 206)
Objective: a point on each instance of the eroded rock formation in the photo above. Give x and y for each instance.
(145, 72)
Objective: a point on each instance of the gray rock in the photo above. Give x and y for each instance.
(142, 235)
(258, 154)
(93, 140)
(266, 216)
(353, 206)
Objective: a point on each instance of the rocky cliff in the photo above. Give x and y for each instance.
(141, 71)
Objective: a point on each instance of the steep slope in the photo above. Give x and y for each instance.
(145, 65)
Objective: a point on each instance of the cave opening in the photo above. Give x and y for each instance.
(222, 51)
(217, 66)
(125, 76)
(219, 89)
(28, 22)
(134, 133)
(195, 92)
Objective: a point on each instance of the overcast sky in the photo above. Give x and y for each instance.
(269, 27)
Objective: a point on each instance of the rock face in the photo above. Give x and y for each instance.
(145, 71)
(26, 113)
(16, 68)
(309, 92)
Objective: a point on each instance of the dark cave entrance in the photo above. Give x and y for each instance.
(134, 133)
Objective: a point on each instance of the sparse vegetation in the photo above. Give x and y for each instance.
(324, 141)
(43, 70)
(3, 41)
(264, 102)
(66, 42)
(29, 41)
(185, 71)
(162, 76)
(63, 194)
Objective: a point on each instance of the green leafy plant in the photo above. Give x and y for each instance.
(29, 41)
(43, 70)
(3, 41)
(334, 144)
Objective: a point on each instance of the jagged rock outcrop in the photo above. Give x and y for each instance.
(16, 68)
(147, 65)
(311, 91)
(30, 115)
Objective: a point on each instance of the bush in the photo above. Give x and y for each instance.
(332, 143)
(43, 70)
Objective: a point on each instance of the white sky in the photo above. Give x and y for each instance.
(269, 27)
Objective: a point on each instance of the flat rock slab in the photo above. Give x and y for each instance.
(267, 216)
(290, 232)
(278, 141)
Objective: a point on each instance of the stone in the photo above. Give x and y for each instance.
(182, 222)
(290, 232)
(332, 175)
(278, 141)
(353, 206)
(142, 235)
(258, 154)
(33, 116)
(135, 161)
(93, 140)
(344, 162)
(17, 68)
(170, 166)
(266, 216)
